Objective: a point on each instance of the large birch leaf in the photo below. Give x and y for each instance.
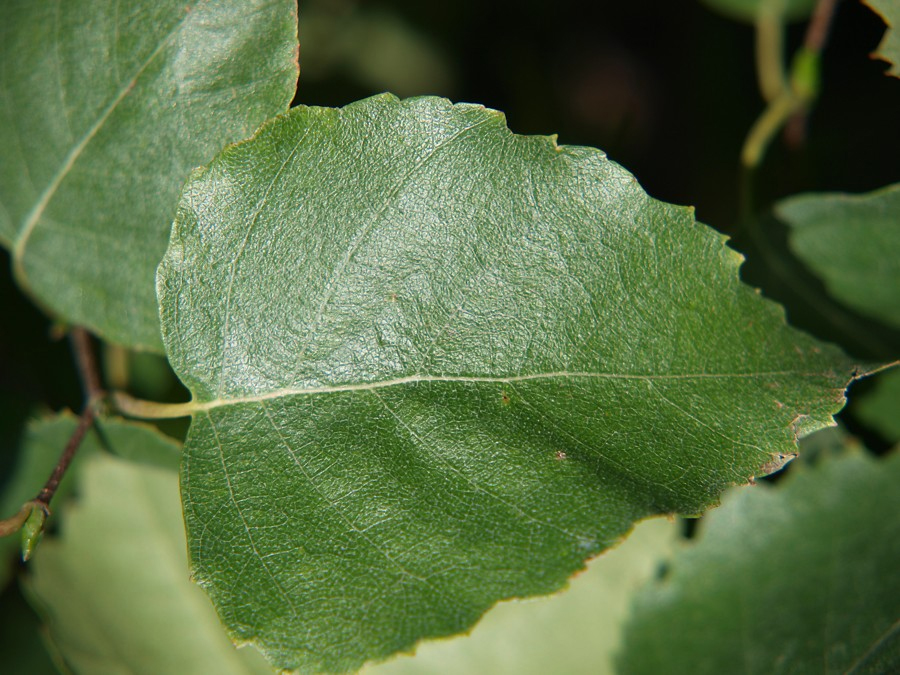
(104, 109)
(853, 243)
(436, 365)
(796, 578)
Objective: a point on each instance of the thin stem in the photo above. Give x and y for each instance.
(813, 43)
(770, 51)
(765, 128)
(150, 410)
(52, 484)
(819, 25)
(115, 362)
(90, 379)
(87, 364)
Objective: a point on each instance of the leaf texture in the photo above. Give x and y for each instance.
(853, 243)
(436, 365)
(795, 578)
(105, 107)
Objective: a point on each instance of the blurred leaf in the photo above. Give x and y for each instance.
(880, 408)
(749, 10)
(106, 107)
(575, 632)
(42, 444)
(889, 49)
(796, 578)
(375, 47)
(114, 587)
(853, 243)
(435, 365)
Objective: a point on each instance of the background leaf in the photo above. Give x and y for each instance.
(115, 588)
(880, 407)
(575, 632)
(796, 578)
(42, 444)
(436, 365)
(889, 49)
(105, 109)
(853, 243)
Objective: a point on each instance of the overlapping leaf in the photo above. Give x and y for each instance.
(853, 243)
(799, 578)
(436, 365)
(576, 632)
(880, 407)
(104, 109)
(42, 443)
(889, 49)
(114, 586)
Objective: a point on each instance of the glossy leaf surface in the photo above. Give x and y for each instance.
(115, 588)
(853, 243)
(796, 578)
(436, 365)
(104, 109)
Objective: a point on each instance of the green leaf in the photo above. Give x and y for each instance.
(853, 243)
(42, 444)
(796, 578)
(105, 109)
(889, 49)
(575, 632)
(749, 10)
(436, 365)
(880, 407)
(114, 587)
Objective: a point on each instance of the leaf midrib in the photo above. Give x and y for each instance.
(168, 410)
(34, 216)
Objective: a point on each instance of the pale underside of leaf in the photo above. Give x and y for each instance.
(104, 108)
(436, 365)
(114, 587)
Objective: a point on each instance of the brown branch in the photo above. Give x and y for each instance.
(819, 25)
(814, 42)
(65, 459)
(90, 379)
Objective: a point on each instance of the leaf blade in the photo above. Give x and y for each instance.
(107, 109)
(427, 354)
(809, 565)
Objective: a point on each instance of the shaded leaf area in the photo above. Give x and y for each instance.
(21, 643)
(853, 243)
(880, 407)
(750, 10)
(114, 587)
(575, 632)
(104, 109)
(889, 49)
(436, 365)
(42, 444)
(799, 577)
